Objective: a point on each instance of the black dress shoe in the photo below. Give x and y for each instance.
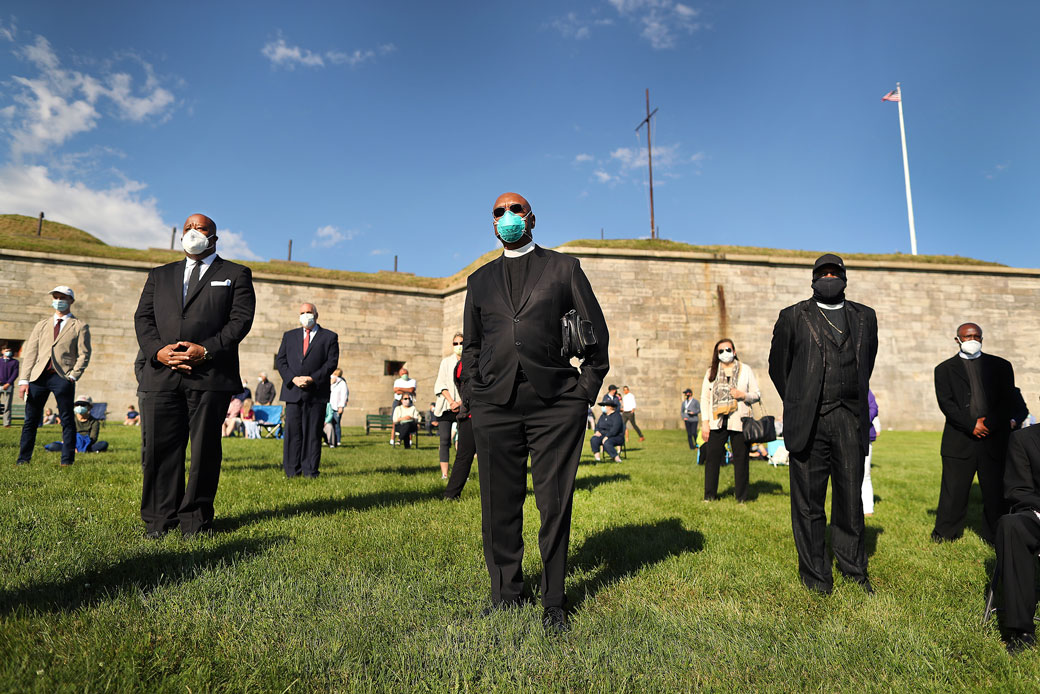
(453, 498)
(21, 462)
(1018, 641)
(939, 539)
(155, 534)
(865, 585)
(554, 621)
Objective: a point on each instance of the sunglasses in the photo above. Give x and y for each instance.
(515, 208)
(456, 343)
(726, 350)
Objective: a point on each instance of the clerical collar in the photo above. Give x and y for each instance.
(517, 252)
(830, 307)
(969, 356)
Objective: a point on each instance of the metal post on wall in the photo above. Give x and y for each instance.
(39, 226)
(173, 237)
(395, 263)
(290, 251)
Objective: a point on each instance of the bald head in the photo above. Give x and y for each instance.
(309, 308)
(518, 205)
(969, 331)
(201, 222)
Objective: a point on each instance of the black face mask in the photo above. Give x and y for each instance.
(829, 290)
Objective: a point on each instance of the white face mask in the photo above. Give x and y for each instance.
(194, 242)
(726, 356)
(457, 349)
(970, 347)
(307, 320)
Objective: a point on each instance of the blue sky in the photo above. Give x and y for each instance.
(364, 130)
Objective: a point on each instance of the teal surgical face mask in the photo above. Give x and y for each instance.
(511, 227)
(80, 409)
(60, 305)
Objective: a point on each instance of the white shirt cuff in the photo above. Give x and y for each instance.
(23, 383)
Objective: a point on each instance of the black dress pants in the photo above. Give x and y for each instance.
(957, 476)
(171, 419)
(1018, 541)
(552, 431)
(834, 452)
(301, 439)
(463, 459)
(715, 451)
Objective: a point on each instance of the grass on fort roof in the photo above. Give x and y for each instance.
(364, 580)
(18, 232)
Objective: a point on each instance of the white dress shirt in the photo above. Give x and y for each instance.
(189, 264)
(628, 402)
(517, 252)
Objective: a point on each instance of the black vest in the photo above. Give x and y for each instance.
(840, 372)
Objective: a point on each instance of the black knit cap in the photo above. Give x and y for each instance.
(829, 259)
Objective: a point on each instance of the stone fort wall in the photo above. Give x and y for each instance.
(665, 310)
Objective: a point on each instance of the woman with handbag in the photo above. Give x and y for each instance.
(728, 391)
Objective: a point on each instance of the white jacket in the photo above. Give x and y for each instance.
(445, 382)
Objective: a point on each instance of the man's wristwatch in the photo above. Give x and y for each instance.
(206, 356)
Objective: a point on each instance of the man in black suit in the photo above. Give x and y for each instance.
(1018, 538)
(976, 393)
(306, 359)
(820, 361)
(525, 397)
(191, 317)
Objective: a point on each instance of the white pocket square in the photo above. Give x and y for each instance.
(220, 283)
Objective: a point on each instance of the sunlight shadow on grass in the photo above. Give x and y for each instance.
(327, 506)
(615, 553)
(139, 573)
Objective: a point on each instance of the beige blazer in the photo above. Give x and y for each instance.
(445, 382)
(70, 352)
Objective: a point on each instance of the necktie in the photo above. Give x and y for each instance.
(57, 329)
(306, 340)
(193, 280)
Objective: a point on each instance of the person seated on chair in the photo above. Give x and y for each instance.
(406, 420)
(49, 417)
(1018, 538)
(133, 417)
(610, 431)
(87, 429)
(233, 420)
(248, 417)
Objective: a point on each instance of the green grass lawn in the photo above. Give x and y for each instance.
(364, 580)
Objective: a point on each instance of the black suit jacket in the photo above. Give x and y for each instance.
(796, 366)
(217, 315)
(320, 361)
(499, 337)
(953, 391)
(1022, 470)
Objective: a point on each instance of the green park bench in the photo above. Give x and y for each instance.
(381, 422)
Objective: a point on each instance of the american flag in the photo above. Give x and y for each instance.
(892, 95)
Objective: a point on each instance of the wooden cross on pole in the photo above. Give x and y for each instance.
(649, 161)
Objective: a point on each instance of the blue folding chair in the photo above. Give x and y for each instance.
(269, 419)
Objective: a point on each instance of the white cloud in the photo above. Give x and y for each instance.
(9, 32)
(233, 244)
(582, 158)
(281, 54)
(662, 21)
(57, 104)
(603, 176)
(379, 251)
(329, 236)
(698, 156)
(571, 26)
(119, 215)
(665, 156)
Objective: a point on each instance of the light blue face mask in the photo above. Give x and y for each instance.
(80, 409)
(511, 227)
(60, 305)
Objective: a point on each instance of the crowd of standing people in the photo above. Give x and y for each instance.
(508, 392)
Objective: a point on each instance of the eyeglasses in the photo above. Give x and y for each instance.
(725, 350)
(456, 343)
(515, 208)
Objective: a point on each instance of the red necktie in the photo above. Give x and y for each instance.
(306, 340)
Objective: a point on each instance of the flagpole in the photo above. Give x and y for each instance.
(906, 174)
